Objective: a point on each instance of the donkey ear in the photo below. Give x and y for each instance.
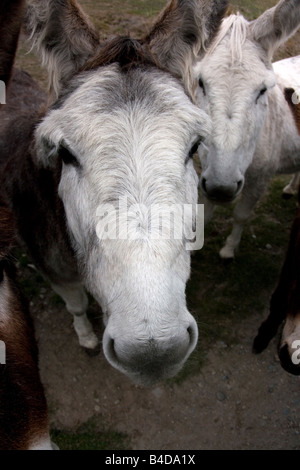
(45, 152)
(183, 31)
(47, 140)
(276, 25)
(62, 35)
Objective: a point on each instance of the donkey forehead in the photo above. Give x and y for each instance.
(104, 97)
(220, 67)
(235, 56)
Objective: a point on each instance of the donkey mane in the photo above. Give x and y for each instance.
(125, 51)
(236, 26)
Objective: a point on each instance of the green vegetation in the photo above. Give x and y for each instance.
(90, 437)
(251, 10)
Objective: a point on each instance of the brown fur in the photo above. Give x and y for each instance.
(164, 22)
(6, 231)
(295, 108)
(125, 51)
(11, 16)
(182, 27)
(31, 190)
(285, 301)
(23, 409)
(62, 30)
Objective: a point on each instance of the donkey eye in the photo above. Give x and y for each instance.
(261, 93)
(201, 85)
(67, 157)
(193, 150)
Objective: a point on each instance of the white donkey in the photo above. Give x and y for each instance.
(254, 110)
(121, 128)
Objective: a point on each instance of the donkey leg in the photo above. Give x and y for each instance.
(254, 188)
(269, 327)
(233, 240)
(209, 207)
(76, 302)
(292, 188)
(241, 215)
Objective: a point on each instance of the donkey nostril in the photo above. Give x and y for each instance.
(193, 335)
(111, 350)
(203, 185)
(240, 185)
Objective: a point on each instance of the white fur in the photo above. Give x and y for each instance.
(139, 151)
(76, 303)
(291, 333)
(132, 131)
(292, 188)
(43, 443)
(254, 137)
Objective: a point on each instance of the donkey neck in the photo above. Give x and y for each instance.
(33, 197)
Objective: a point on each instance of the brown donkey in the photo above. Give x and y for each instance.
(23, 407)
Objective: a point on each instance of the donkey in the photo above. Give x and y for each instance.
(23, 407)
(120, 126)
(255, 121)
(285, 307)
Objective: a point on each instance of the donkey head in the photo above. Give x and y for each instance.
(234, 79)
(124, 131)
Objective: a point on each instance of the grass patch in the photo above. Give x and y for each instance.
(90, 437)
(30, 280)
(30, 286)
(251, 9)
(143, 8)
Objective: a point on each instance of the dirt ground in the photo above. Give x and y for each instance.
(237, 401)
